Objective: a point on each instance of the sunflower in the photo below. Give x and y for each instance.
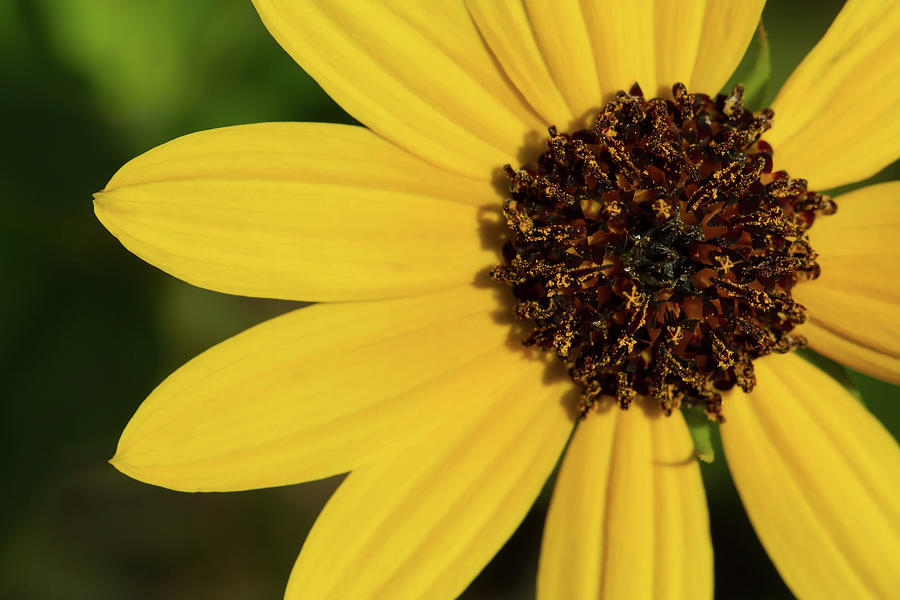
(662, 252)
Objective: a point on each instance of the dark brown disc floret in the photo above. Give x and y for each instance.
(656, 251)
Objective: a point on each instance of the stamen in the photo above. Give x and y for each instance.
(656, 252)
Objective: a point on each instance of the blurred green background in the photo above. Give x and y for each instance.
(87, 329)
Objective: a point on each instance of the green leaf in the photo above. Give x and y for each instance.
(701, 429)
(754, 71)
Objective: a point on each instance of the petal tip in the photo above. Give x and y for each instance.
(102, 203)
(123, 466)
(164, 476)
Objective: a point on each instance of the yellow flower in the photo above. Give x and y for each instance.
(408, 373)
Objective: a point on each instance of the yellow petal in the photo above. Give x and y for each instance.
(511, 37)
(417, 73)
(658, 43)
(565, 44)
(856, 356)
(311, 152)
(820, 479)
(701, 43)
(622, 34)
(836, 116)
(298, 211)
(856, 300)
(628, 517)
(320, 391)
(423, 524)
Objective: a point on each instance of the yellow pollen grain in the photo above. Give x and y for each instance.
(675, 334)
(662, 208)
(725, 263)
(633, 298)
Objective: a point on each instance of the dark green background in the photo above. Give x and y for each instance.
(87, 329)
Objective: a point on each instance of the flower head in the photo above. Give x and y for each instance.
(622, 245)
(655, 243)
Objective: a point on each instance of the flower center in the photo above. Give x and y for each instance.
(656, 252)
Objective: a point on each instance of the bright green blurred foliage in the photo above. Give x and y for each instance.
(164, 67)
(87, 329)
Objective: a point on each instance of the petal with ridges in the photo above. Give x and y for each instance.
(629, 487)
(835, 117)
(658, 43)
(820, 479)
(728, 28)
(856, 356)
(622, 36)
(423, 524)
(509, 34)
(679, 30)
(857, 297)
(562, 35)
(684, 552)
(298, 211)
(573, 545)
(311, 152)
(417, 73)
(320, 391)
